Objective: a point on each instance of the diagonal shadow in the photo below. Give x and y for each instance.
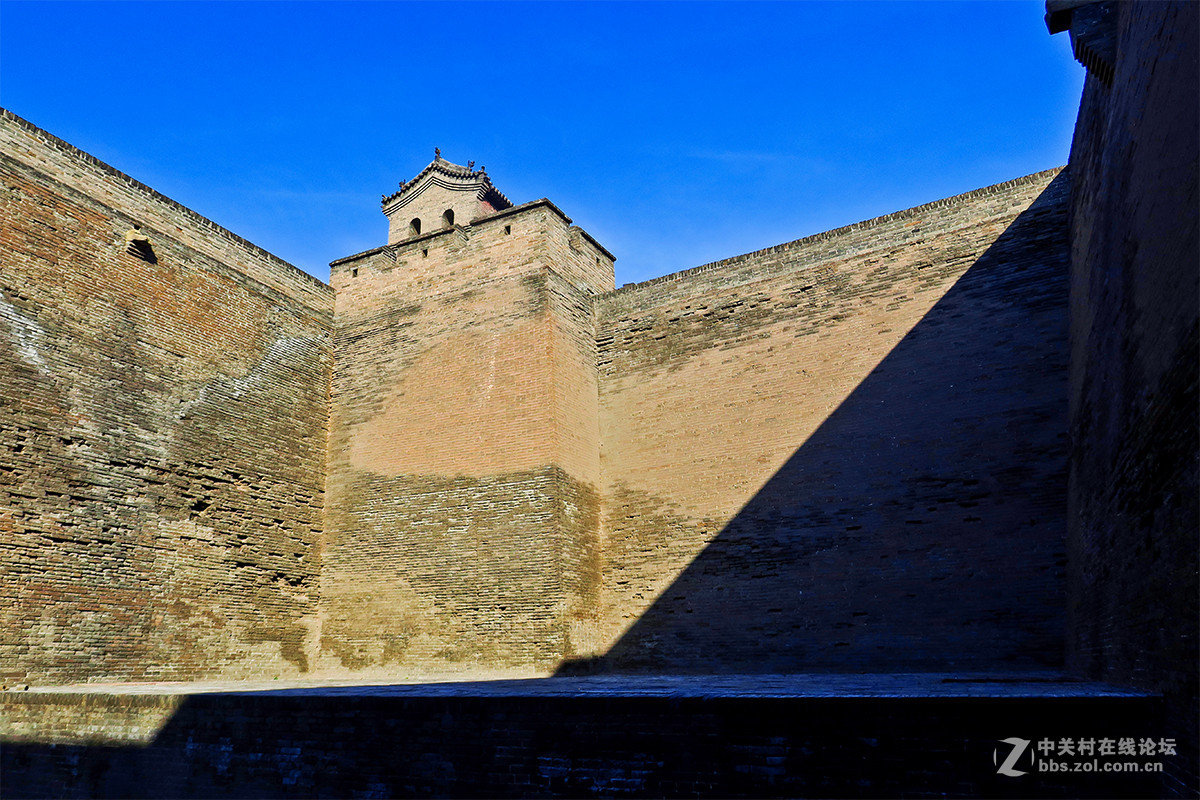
(922, 525)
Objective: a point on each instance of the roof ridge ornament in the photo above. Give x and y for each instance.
(440, 170)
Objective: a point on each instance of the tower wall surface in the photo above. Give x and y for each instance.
(429, 209)
(462, 514)
(845, 452)
(163, 411)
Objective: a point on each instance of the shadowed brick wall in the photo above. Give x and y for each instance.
(478, 739)
(462, 507)
(1133, 613)
(162, 432)
(846, 452)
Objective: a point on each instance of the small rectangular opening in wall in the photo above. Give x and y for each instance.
(138, 244)
(507, 229)
(354, 272)
(424, 251)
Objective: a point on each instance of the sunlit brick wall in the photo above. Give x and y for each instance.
(162, 432)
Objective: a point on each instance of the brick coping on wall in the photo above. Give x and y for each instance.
(74, 152)
(958, 199)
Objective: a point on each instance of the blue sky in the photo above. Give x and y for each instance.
(675, 133)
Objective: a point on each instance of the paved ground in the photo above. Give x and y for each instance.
(1040, 684)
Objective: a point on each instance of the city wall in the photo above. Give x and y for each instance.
(846, 452)
(163, 406)
(823, 455)
(819, 456)
(1134, 308)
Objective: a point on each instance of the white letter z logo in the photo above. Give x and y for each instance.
(1018, 747)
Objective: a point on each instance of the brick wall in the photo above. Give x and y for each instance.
(824, 455)
(162, 432)
(1134, 481)
(462, 503)
(846, 452)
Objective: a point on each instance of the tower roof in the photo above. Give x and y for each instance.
(441, 172)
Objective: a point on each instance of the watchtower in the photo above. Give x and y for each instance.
(440, 195)
(462, 500)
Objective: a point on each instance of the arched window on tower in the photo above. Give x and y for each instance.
(414, 227)
(448, 218)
